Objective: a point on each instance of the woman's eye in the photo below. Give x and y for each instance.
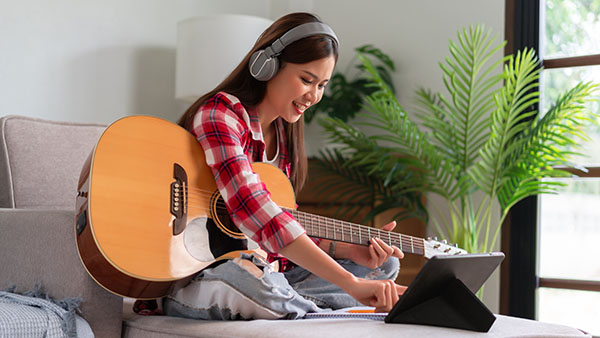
(307, 81)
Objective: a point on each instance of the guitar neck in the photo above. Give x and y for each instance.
(336, 230)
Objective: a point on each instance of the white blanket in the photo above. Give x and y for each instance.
(37, 315)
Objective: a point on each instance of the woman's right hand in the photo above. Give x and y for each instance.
(381, 294)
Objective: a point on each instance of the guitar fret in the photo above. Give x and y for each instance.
(360, 236)
(338, 230)
(325, 231)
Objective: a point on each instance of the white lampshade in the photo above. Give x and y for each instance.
(209, 48)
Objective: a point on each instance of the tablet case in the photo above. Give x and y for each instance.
(443, 293)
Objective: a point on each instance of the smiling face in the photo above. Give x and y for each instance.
(295, 88)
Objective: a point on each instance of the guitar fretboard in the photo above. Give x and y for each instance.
(333, 229)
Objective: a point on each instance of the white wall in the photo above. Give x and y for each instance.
(96, 61)
(99, 60)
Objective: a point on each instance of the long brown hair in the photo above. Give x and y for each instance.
(251, 92)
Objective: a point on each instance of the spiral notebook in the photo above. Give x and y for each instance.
(358, 312)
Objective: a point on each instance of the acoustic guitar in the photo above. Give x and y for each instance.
(149, 215)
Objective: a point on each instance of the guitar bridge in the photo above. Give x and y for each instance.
(179, 201)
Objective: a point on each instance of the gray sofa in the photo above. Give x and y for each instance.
(40, 162)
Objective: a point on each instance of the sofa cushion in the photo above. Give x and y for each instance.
(163, 326)
(39, 246)
(40, 161)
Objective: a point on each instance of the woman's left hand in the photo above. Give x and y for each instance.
(377, 252)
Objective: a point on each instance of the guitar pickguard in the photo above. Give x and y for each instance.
(196, 240)
(205, 241)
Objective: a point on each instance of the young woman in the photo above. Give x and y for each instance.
(255, 115)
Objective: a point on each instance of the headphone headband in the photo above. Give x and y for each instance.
(264, 63)
(300, 32)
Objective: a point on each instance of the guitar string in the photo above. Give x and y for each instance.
(353, 237)
(347, 227)
(203, 194)
(410, 240)
(352, 230)
(350, 233)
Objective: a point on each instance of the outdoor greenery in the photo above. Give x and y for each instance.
(571, 27)
(346, 91)
(485, 138)
(562, 38)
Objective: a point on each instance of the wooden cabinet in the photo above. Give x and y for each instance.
(309, 201)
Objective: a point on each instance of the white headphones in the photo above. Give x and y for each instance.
(264, 63)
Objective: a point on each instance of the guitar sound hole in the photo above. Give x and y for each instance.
(206, 242)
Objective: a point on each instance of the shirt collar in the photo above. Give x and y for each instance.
(254, 125)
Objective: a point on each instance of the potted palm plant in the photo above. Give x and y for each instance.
(485, 139)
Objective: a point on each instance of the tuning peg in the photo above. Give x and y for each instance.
(445, 241)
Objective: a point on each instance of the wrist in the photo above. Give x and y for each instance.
(348, 282)
(332, 248)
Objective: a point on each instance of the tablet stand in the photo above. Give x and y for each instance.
(455, 306)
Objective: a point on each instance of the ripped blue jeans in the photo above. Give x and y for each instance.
(231, 291)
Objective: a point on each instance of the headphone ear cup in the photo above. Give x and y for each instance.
(261, 67)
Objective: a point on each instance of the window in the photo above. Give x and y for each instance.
(554, 269)
(569, 223)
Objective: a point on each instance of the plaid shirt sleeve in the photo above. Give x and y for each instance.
(222, 130)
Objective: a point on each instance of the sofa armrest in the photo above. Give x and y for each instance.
(39, 246)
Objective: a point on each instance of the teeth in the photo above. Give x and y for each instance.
(301, 107)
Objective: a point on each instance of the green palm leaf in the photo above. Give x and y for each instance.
(388, 117)
(545, 146)
(470, 85)
(507, 121)
(346, 181)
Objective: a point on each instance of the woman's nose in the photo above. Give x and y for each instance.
(312, 95)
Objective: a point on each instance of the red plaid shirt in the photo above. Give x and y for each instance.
(231, 137)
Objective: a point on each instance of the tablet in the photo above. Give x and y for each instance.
(434, 281)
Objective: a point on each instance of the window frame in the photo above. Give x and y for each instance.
(519, 278)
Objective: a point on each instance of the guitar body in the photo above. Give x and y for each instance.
(149, 216)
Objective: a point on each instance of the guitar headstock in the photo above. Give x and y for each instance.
(434, 247)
